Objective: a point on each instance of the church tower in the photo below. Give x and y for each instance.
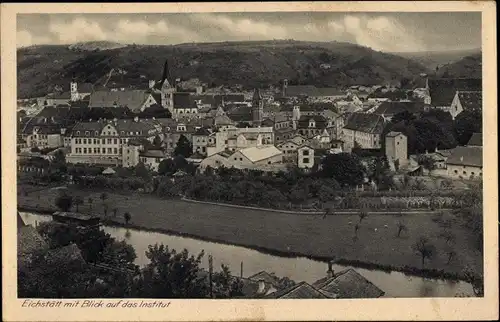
(257, 108)
(167, 90)
(73, 90)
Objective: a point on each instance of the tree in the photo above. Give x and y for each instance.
(401, 227)
(141, 171)
(467, 123)
(424, 248)
(184, 147)
(104, 197)
(77, 200)
(356, 228)
(166, 166)
(345, 168)
(448, 236)
(427, 162)
(362, 215)
(157, 141)
(127, 217)
(64, 202)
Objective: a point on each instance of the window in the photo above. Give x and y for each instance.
(115, 150)
(397, 143)
(115, 141)
(465, 172)
(472, 173)
(305, 160)
(103, 141)
(84, 150)
(305, 152)
(84, 141)
(109, 141)
(77, 132)
(241, 159)
(87, 133)
(103, 150)
(456, 171)
(122, 132)
(268, 162)
(110, 151)
(96, 133)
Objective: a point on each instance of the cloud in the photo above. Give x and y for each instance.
(238, 28)
(25, 39)
(78, 30)
(337, 27)
(142, 28)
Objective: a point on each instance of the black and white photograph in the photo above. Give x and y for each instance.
(249, 155)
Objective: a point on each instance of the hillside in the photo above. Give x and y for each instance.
(470, 67)
(95, 45)
(248, 63)
(433, 59)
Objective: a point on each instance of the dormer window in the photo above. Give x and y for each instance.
(312, 123)
(96, 133)
(77, 132)
(122, 132)
(87, 133)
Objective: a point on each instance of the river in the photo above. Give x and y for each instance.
(394, 284)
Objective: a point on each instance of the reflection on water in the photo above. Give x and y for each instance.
(395, 284)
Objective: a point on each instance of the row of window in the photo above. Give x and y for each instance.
(97, 151)
(87, 133)
(465, 173)
(101, 141)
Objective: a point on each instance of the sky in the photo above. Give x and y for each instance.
(389, 32)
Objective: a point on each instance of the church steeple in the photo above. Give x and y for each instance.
(257, 108)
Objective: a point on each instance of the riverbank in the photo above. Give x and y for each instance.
(322, 212)
(308, 235)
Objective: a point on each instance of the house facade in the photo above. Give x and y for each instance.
(305, 157)
(465, 162)
(364, 129)
(102, 142)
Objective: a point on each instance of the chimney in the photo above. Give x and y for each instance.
(136, 119)
(330, 272)
(262, 287)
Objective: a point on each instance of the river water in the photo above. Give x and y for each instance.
(394, 284)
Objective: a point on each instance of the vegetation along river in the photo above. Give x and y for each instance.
(395, 284)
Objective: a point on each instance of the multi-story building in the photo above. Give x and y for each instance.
(265, 157)
(396, 147)
(305, 157)
(200, 140)
(101, 142)
(364, 129)
(228, 138)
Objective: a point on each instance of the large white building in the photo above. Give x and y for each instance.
(264, 157)
(364, 129)
(102, 142)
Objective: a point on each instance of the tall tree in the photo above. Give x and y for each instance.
(424, 248)
(467, 123)
(64, 202)
(184, 147)
(345, 168)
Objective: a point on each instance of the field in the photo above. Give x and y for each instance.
(309, 235)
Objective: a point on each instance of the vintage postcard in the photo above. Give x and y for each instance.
(249, 161)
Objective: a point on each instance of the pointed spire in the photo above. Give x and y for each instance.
(256, 95)
(166, 73)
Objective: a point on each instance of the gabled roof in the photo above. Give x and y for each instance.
(299, 90)
(133, 100)
(471, 100)
(29, 241)
(392, 108)
(125, 125)
(85, 88)
(152, 154)
(443, 90)
(67, 253)
(348, 284)
(393, 134)
(466, 155)
(364, 122)
(301, 290)
(320, 121)
(476, 140)
(266, 277)
(258, 153)
(183, 100)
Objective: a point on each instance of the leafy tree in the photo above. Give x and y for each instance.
(424, 248)
(467, 123)
(401, 227)
(127, 217)
(362, 215)
(427, 162)
(64, 202)
(345, 168)
(78, 201)
(141, 171)
(184, 147)
(157, 141)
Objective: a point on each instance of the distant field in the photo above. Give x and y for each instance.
(308, 235)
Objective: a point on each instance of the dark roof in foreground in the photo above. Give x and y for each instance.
(476, 140)
(364, 122)
(301, 290)
(28, 240)
(466, 155)
(348, 284)
(392, 108)
(67, 253)
(443, 90)
(471, 100)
